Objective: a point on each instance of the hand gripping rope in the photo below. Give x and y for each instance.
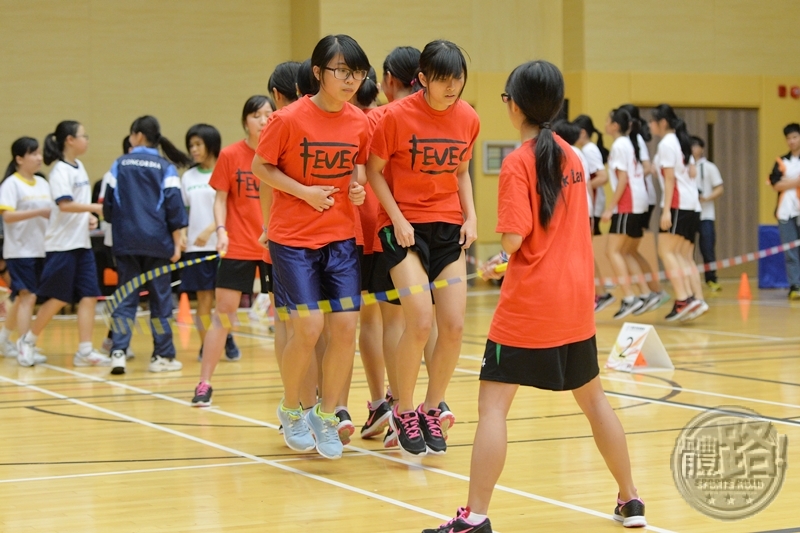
(344, 304)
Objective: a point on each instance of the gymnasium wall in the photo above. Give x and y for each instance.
(689, 53)
(105, 62)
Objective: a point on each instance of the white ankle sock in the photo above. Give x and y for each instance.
(340, 408)
(475, 519)
(374, 404)
(30, 338)
(85, 348)
(4, 334)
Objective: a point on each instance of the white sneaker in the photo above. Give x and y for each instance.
(9, 349)
(117, 362)
(701, 309)
(129, 353)
(93, 358)
(26, 355)
(164, 364)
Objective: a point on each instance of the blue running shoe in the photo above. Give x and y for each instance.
(296, 432)
(326, 433)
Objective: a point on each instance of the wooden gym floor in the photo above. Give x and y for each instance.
(82, 451)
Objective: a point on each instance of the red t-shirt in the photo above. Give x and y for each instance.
(314, 147)
(547, 299)
(232, 174)
(423, 149)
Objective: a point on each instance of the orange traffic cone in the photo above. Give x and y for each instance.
(184, 334)
(744, 288)
(744, 309)
(184, 310)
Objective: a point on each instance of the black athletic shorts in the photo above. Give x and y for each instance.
(239, 274)
(436, 243)
(629, 224)
(565, 367)
(646, 217)
(684, 223)
(596, 226)
(368, 263)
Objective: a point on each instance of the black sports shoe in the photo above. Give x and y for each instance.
(345, 427)
(446, 418)
(630, 513)
(628, 307)
(431, 430)
(409, 434)
(459, 524)
(232, 352)
(202, 395)
(377, 420)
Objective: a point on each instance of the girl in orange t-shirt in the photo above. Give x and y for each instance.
(427, 219)
(310, 155)
(543, 333)
(237, 213)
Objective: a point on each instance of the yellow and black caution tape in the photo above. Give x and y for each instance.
(125, 290)
(229, 320)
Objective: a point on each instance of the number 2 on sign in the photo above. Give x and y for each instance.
(622, 353)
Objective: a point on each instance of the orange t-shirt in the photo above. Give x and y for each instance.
(315, 148)
(423, 149)
(547, 299)
(232, 174)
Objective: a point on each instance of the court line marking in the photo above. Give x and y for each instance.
(230, 450)
(633, 397)
(121, 472)
(705, 393)
(365, 451)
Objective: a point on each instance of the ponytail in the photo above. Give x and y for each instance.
(54, 142)
(368, 90)
(634, 136)
(685, 139)
(537, 87)
(665, 112)
(149, 127)
(585, 122)
(548, 173)
(627, 126)
(20, 148)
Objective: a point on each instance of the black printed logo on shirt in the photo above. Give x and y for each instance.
(437, 156)
(328, 160)
(246, 184)
(573, 177)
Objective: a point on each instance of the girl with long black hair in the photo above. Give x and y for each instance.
(679, 216)
(543, 332)
(69, 275)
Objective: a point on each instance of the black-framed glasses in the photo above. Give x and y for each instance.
(505, 97)
(343, 73)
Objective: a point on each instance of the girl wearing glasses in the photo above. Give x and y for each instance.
(543, 331)
(70, 274)
(311, 154)
(427, 220)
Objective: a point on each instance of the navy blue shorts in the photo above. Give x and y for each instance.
(199, 277)
(25, 274)
(69, 276)
(305, 276)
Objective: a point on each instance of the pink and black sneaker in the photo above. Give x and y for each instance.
(377, 420)
(409, 434)
(630, 513)
(432, 430)
(460, 524)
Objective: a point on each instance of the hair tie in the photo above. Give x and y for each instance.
(413, 82)
(545, 125)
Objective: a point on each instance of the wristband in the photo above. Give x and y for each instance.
(503, 256)
(264, 228)
(223, 228)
